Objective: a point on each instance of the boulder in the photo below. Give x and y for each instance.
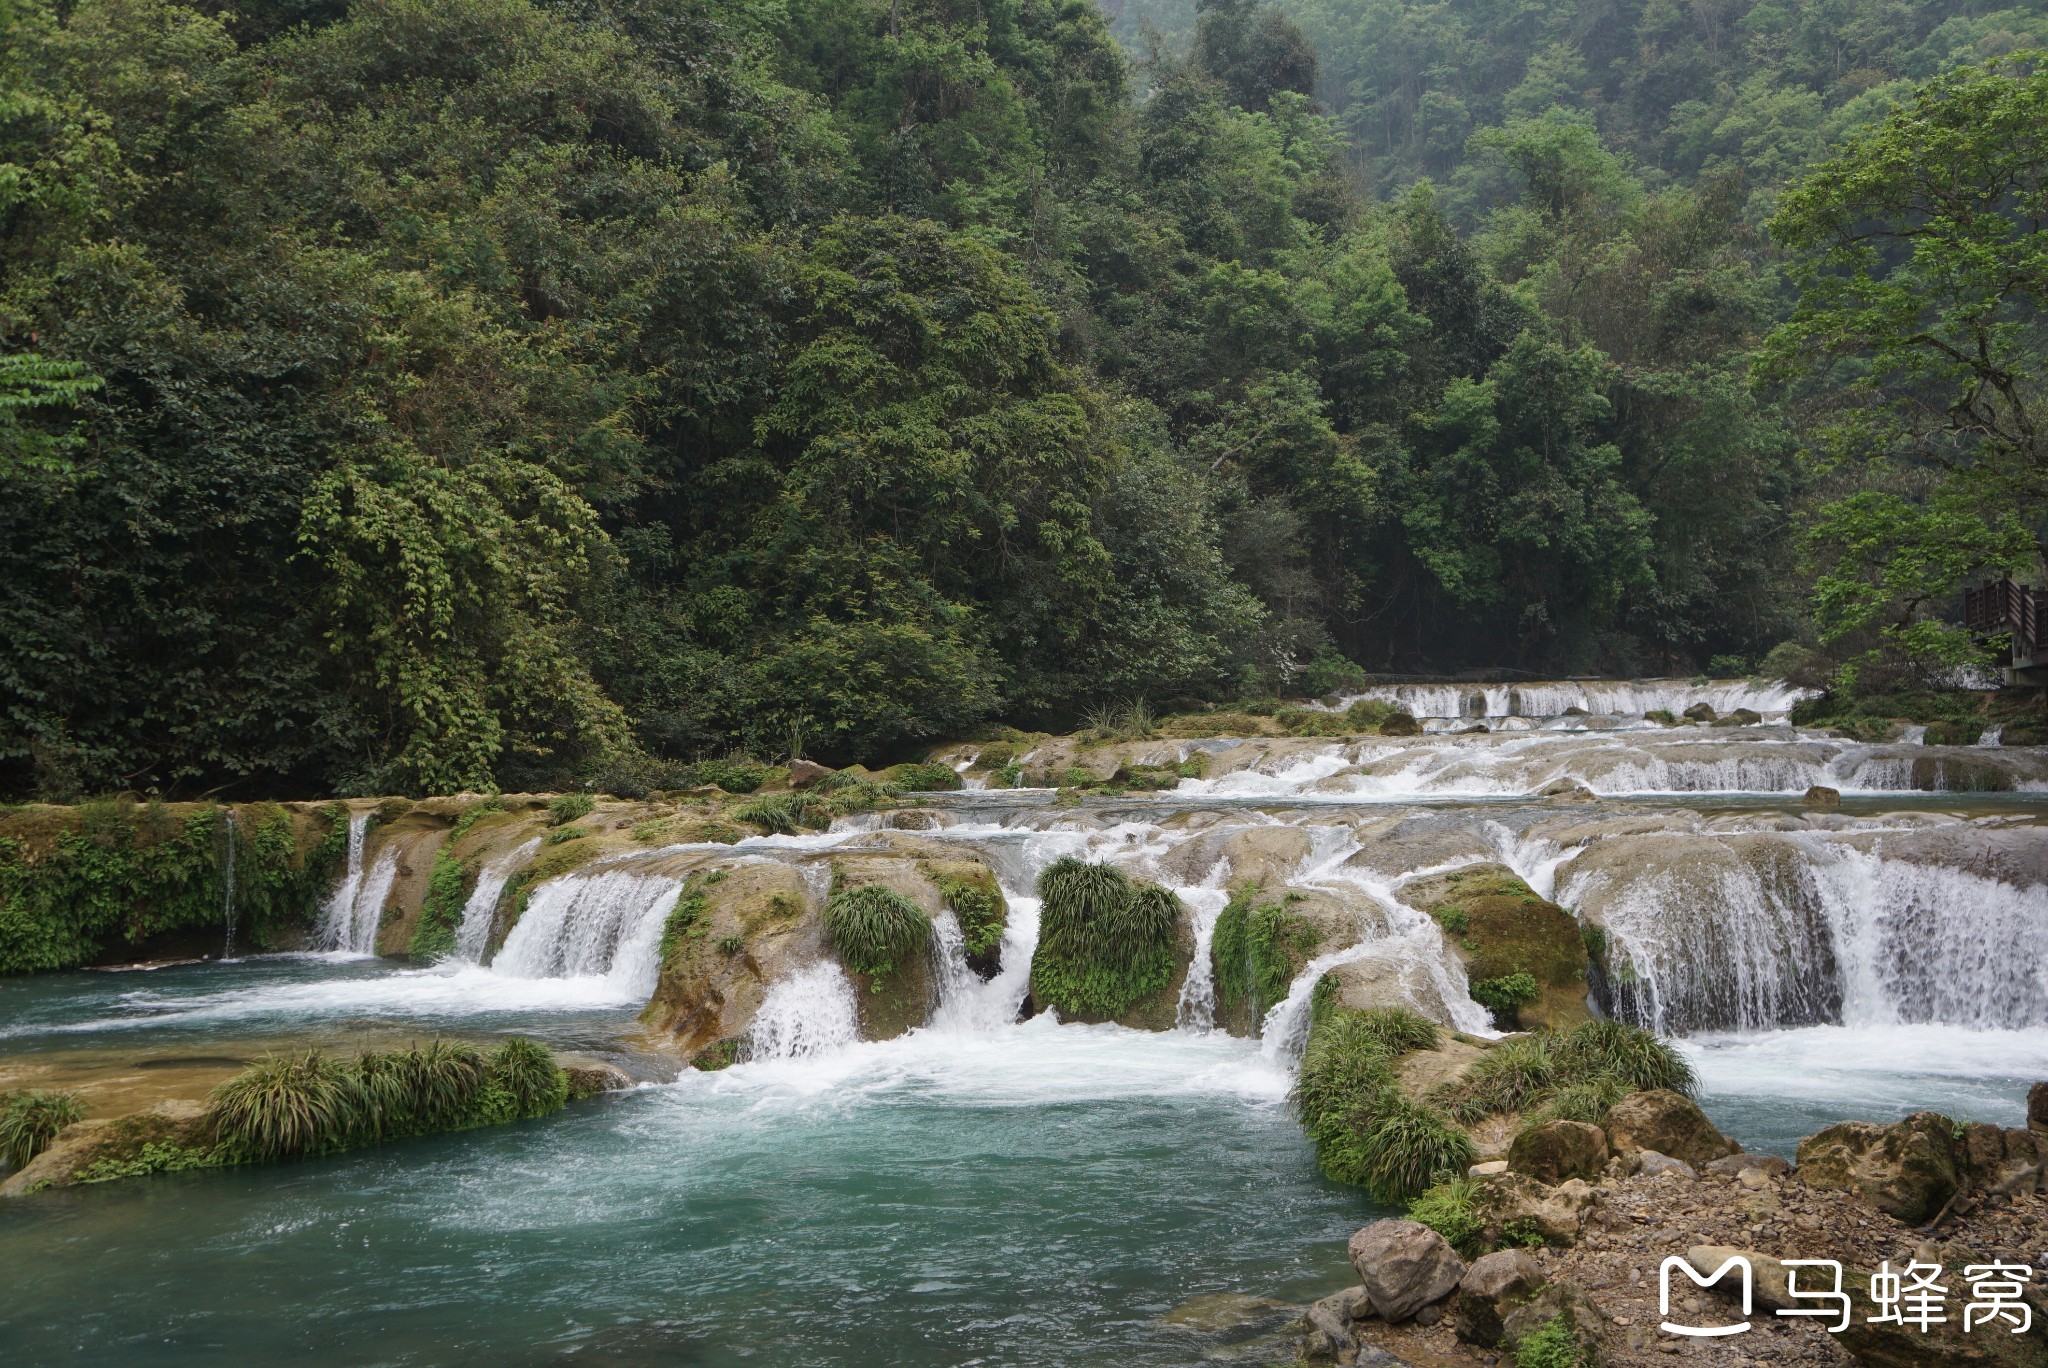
(1588, 1325)
(1487, 1169)
(1513, 1207)
(1908, 1169)
(2037, 1107)
(1741, 717)
(1655, 1165)
(1557, 1150)
(1326, 1333)
(804, 773)
(588, 1080)
(1821, 796)
(1405, 1266)
(1701, 712)
(1664, 1121)
(1490, 1291)
(1400, 724)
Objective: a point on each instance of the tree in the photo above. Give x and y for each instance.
(1921, 256)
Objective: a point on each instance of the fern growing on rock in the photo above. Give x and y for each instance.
(875, 930)
(1104, 943)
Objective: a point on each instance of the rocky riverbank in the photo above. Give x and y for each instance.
(1555, 1254)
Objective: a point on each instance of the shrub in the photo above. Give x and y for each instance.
(1663, 717)
(1367, 713)
(441, 1083)
(1586, 1100)
(284, 1105)
(526, 1070)
(30, 1119)
(1329, 672)
(569, 807)
(1447, 1209)
(1503, 995)
(784, 814)
(1104, 943)
(1570, 1071)
(1509, 1077)
(875, 930)
(1554, 1345)
(1399, 1030)
(733, 774)
(1406, 1146)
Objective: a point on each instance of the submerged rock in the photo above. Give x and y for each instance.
(1405, 1266)
(1821, 796)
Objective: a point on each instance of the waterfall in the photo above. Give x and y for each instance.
(1991, 736)
(966, 1003)
(807, 1013)
(473, 936)
(1752, 933)
(353, 912)
(1196, 1010)
(604, 924)
(1618, 698)
(227, 887)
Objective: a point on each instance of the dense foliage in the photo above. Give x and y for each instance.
(406, 396)
(1105, 943)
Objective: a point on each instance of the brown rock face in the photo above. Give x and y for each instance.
(1405, 1266)
(1667, 1123)
(1490, 1290)
(1558, 1150)
(2037, 1107)
(1907, 1170)
(804, 773)
(1514, 1206)
(1821, 796)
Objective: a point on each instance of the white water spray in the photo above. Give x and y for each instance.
(473, 935)
(354, 911)
(810, 1012)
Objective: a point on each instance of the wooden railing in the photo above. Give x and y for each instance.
(2002, 606)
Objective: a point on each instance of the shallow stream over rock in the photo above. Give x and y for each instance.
(985, 1189)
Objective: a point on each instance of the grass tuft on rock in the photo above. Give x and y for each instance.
(287, 1105)
(1254, 953)
(1572, 1075)
(875, 930)
(31, 1118)
(1447, 1209)
(1104, 943)
(1365, 1131)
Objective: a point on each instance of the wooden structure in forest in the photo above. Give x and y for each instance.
(2018, 611)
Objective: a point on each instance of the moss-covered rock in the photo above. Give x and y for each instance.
(1667, 1123)
(1907, 1170)
(1256, 950)
(970, 890)
(1557, 1150)
(1500, 928)
(1109, 948)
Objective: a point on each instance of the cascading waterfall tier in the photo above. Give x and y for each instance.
(604, 923)
(1756, 932)
(473, 933)
(353, 912)
(1615, 698)
(807, 1013)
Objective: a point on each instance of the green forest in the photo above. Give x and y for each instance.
(425, 395)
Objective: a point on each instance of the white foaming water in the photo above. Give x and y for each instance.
(1037, 1062)
(1762, 931)
(350, 917)
(810, 1012)
(968, 1006)
(473, 936)
(1196, 1010)
(1618, 698)
(605, 923)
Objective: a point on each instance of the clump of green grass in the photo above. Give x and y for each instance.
(1447, 1209)
(1104, 943)
(31, 1118)
(923, 778)
(875, 930)
(1365, 1131)
(1406, 1146)
(1254, 951)
(1398, 1029)
(569, 807)
(981, 911)
(287, 1105)
(1571, 1070)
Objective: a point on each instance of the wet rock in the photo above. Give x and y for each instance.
(1741, 717)
(2037, 1107)
(1558, 1150)
(804, 773)
(178, 1123)
(1668, 1123)
(1657, 1165)
(1516, 1207)
(1491, 1290)
(1400, 724)
(1567, 790)
(588, 1080)
(1701, 712)
(1821, 796)
(1907, 1170)
(1326, 1333)
(1405, 1266)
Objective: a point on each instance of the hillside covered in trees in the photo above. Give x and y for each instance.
(416, 395)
